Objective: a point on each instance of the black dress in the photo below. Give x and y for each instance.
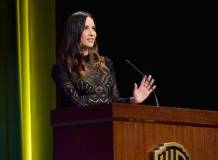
(94, 88)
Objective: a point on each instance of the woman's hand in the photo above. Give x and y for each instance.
(144, 90)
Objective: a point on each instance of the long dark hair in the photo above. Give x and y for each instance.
(69, 53)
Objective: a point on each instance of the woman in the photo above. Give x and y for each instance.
(82, 76)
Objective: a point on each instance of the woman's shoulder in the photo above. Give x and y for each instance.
(58, 68)
(108, 61)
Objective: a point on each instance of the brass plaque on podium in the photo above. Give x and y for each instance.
(170, 151)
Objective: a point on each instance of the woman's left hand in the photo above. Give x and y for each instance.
(141, 92)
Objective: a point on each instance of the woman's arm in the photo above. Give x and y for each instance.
(65, 86)
(115, 92)
(140, 93)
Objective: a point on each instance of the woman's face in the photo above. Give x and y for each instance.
(88, 35)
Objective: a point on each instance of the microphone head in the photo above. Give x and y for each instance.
(127, 61)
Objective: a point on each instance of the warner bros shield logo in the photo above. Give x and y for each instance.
(170, 151)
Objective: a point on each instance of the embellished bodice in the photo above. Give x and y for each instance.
(94, 87)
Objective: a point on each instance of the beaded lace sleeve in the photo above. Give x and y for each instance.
(65, 86)
(115, 92)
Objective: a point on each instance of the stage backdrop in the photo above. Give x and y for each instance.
(27, 91)
(10, 142)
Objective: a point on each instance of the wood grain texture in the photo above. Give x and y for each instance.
(136, 141)
(132, 132)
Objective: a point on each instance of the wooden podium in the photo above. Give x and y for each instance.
(131, 132)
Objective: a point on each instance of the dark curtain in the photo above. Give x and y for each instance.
(10, 137)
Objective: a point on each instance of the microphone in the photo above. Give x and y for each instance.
(132, 65)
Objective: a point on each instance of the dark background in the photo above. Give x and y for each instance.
(173, 41)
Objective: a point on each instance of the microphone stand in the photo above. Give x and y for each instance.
(155, 96)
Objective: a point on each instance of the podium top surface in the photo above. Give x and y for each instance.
(134, 113)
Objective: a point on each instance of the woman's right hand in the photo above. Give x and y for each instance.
(141, 92)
